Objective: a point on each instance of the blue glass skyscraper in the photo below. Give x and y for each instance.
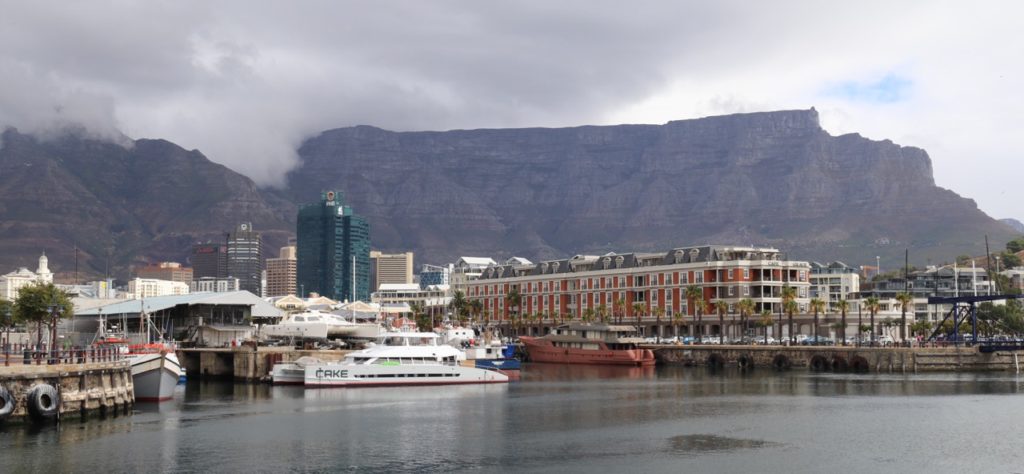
(333, 250)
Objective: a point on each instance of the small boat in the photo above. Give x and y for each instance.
(400, 359)
(589, 344)
(155, 371)
(183, 378)
(292, 373)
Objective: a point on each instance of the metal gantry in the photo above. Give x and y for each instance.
(965, 308)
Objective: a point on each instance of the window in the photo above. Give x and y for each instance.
(682, 278)
(746, 291)
(698, 277)
(746, 273)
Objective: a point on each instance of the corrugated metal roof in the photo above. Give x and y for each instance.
(260, 308)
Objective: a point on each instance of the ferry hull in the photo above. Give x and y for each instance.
(154, 376)
(346, 375)
(542, 351)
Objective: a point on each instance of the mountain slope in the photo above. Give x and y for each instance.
(146, 202)
(773, 178)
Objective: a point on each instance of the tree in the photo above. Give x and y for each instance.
(37, 303)
(638, 309)
(746, 309)
(905, 300)
(873, 305)
(619, 310)
(602, 313)
(513, 299)
(843, 306)
(1015, 245)
(6, 317)
(789, 296)
(457, 304)
(658, 313)
(588, 315)
(721, 307)
(921, 328)
(696, 296)
(817, 305)
(766, 322)
(475, 308)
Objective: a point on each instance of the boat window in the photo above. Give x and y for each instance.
(300, 319)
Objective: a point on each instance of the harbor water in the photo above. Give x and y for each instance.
(558, 419)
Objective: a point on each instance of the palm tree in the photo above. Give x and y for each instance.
(458, 303)
(513, 299)
(789, 296)
(843, 306)
(746, 308)
(766, 321)
(619, 310)
(721, 307)
(677, 317)
(658, 313)
(602, 313)
(904, 299)
(588, 315)
(695, 294)
(817, 305)
(475, 308)
(638, 309)
(873, 306)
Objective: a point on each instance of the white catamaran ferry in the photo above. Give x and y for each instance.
(401, 358)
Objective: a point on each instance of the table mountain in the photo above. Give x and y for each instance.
(141, 201)
(774, 178)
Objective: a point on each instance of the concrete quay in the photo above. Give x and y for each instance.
(78, 390)
(246, 363)
(839, 358)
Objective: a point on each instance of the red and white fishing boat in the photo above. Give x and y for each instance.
(598, 344)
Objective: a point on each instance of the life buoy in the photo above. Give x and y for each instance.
(6, 403)
(42, 401)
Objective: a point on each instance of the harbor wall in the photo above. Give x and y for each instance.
(839, 358)
(96, 388)
(246, 363)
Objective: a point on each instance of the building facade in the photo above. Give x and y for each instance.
(148, 288)
(209, 260)
(245, 258)
(833, 282)
(617, 285)
(435, 275)
(214, 285)
(281, 273)
(170, 271)
(390, 268)
(333, 250)
(12, 282)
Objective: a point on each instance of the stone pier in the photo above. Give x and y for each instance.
(245, 363)
(838, 358)
(103, 388)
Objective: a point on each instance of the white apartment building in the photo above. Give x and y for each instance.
(148, 288)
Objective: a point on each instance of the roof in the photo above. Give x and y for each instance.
(260, 308)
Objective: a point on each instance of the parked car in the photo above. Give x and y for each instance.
(709, 340)
(884, 340)
(687, 340)
(820, 341)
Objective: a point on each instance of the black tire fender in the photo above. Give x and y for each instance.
(6, 403)
(42, 401)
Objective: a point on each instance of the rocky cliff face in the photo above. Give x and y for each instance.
(147, 201)
(773, 178)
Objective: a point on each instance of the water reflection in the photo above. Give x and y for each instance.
(689, 445)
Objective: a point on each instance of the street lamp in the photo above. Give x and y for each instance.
(878, 265)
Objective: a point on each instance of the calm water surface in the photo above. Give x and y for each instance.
(561, 419)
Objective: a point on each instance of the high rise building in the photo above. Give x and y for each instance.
(245, 258)
(170, 271)
(390, 268)
(333, 250)
(281, 273)
(209, 260)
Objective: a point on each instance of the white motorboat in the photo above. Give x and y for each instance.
(155, 372)
(401, 358)
(292, 373)
(458, 336)
(306, 325)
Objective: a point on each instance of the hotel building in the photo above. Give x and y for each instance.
(613, 283)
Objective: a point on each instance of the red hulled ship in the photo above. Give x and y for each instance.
(598, 344)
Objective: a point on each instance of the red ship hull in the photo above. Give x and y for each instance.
(541, 350)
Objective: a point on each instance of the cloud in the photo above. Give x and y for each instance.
(246, 82)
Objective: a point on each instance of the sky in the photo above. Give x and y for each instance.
(245, 82)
